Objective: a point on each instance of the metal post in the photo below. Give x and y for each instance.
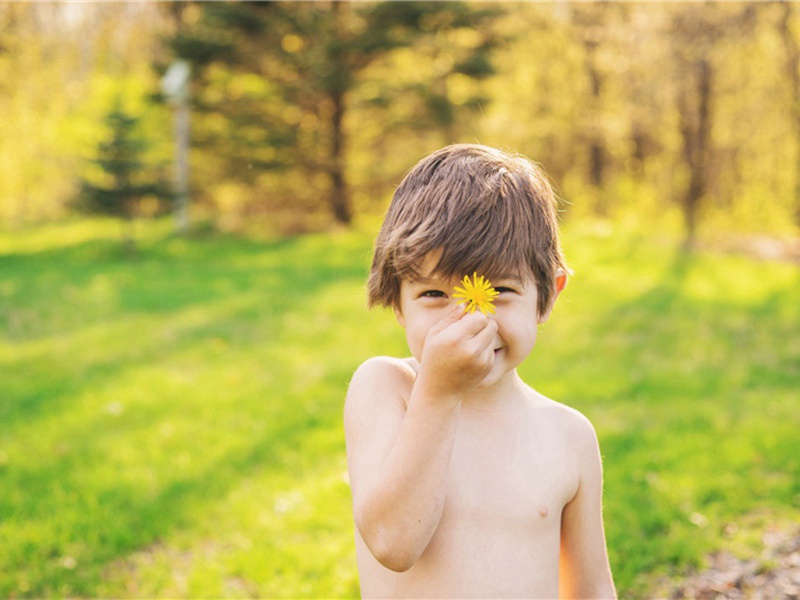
(175, 85)
(182, 166)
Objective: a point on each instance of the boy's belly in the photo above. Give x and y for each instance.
(473, 559)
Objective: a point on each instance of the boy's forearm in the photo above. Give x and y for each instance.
(402, 507)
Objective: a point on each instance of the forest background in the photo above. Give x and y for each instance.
(304, 115)
(170, 414)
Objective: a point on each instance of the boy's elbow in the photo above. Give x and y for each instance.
(390, 548)
(394, 559)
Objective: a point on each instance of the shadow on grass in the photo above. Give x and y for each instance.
(705, 371)
(190, 294)
(147, 297)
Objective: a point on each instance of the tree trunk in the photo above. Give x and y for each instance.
(340, 195)
(792, 53)
(596, 150)
(696, 133)
(128, 223)
(590, 23)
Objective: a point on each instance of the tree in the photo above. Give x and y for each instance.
(697, 32)
(281, 76)
(589, 24)
(122, 180)
(791, 49)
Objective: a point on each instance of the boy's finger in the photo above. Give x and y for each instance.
(456, 314)
(473, 323)
(485, 337)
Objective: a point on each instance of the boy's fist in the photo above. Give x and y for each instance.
(458, 353)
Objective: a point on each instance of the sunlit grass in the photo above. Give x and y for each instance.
(170, 424)
(689, 368)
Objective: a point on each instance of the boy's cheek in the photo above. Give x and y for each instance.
(415, 348)
(416, 337)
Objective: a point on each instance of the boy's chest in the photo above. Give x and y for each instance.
(515, 476)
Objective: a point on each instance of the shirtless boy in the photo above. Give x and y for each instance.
(466, 482)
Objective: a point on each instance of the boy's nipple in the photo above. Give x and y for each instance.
(543, 512)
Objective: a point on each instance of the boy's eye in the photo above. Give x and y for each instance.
(432, 294)
(502, 289)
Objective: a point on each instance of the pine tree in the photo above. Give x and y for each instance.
(123, 179)
(278, 66)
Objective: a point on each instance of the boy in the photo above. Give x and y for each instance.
(466, 482)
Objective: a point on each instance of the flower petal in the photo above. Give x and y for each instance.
(477, 293)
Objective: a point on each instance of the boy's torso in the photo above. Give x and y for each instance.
(510, 476)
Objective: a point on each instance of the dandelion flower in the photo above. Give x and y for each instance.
(476, 293)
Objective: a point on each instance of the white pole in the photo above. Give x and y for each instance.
(182, 166)
(175, 85)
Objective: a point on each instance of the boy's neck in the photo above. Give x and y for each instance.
(509, 390)
(505, 393)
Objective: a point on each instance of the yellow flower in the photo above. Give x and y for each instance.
(476, 293)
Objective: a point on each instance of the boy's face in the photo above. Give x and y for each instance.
(428, 301)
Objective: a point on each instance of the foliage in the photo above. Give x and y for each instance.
(123, 180)
(279, 78)
(172, 427)
(309, 113)
(553, 114)
(62, 66)
(35, 184)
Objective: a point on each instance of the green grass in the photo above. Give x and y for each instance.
(171, 425)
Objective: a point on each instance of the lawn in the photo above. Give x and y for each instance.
(170, 425)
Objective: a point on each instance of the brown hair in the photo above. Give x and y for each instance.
(485, 209)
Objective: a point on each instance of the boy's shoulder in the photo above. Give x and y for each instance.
(387, 362)
(385, 373)
(568, 420)
(404, 369)
(377, 397)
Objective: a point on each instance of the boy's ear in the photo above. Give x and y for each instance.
(561, 283)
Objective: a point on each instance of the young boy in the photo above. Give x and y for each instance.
(466, 482)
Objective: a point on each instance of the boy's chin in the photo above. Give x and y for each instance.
(493, 378)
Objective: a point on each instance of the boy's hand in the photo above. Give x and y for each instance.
(458, 353)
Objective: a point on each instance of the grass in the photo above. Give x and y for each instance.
(170, 426)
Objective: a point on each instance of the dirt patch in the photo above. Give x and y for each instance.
(759, 247)
(774, 574)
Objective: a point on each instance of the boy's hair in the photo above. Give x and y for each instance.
(484, 209)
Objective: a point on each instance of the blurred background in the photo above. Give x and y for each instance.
(304, 115)
(188, 197)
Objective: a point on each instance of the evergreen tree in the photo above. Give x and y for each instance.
(122, 179)
(282, 74)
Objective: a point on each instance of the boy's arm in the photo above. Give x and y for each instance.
(398, 462)
(584, 571)
(399, 456)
